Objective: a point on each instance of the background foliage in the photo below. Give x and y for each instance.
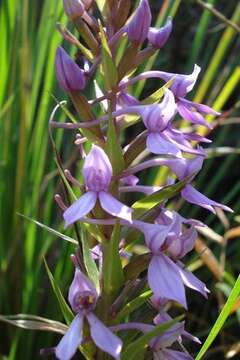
(29, 179)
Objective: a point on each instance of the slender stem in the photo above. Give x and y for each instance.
(144, 76)
(219, 15)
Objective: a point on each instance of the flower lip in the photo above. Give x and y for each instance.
(83, 300)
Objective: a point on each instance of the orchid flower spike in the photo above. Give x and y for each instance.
(97, 173)
(159, 37)
(83, 297)
(138, 27)
(70, 76)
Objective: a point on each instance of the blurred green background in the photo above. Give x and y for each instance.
(29, 179)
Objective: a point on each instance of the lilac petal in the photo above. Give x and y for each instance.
(187, 239)
(177, 138)
(80, 208)
(190, 80)
(195, 197)
(97, 170)
(191, 337)
(138, 27)
(69, 74)
(200, 107)
(72, 339)
(165, 281)
(193, 282)
(168, 105)
(166, 354)
(169, 337)
(196, 137)
(103, 337)
(155, 234)
(157, 116)
(159, 36)
(182, 83)
(114, 207)
(194, 165)
(192, 116)
(157, 144)
(125, 99)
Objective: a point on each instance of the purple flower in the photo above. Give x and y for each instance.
(69, 75)
(162, 138)
(175, 333)
(167, 279)
(180, 240)
(182, 85)
(82, 298)
(187, 167)
(158, 37)
(168, 243)
(160, 343)
(138, 27)
(73, 8)
(97, 173)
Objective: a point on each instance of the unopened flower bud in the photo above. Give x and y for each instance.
(139, 25)
(159, 37)
(73, 8)
(70, 76)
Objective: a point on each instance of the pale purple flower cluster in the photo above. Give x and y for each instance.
(169, 237)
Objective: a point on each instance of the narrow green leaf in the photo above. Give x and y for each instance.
(109, 67)
(31, 322)
(131, 353)
(148, 202)
(50, 230)
(112, 266)
(134, 305)
(221, 319)
(65, 309)
(89, 263)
